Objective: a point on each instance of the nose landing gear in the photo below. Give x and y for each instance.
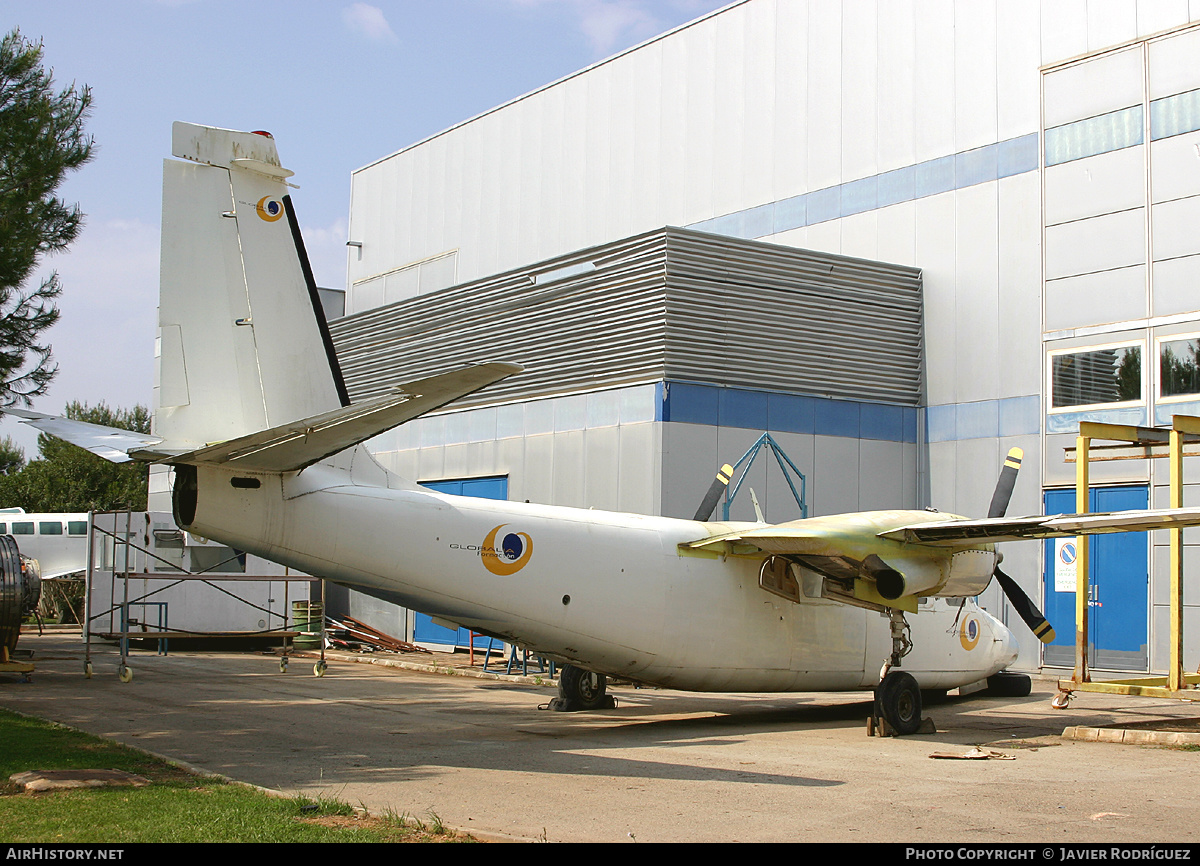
(897, 710)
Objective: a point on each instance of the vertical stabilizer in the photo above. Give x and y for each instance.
(243, 344)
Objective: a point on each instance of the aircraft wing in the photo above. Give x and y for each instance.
(953, 533)
(826, 536)
(108, 442)
(293, 446)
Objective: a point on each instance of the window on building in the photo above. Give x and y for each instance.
(1094, 377)
(217, 559)
(1179, 367)
(1095, 135)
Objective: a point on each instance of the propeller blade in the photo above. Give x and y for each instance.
(1025, 608)
(709, 504)
(1004, 484)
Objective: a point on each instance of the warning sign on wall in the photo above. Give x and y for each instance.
(1065, 553)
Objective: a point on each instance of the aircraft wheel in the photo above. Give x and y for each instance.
(580, 689)
(319, 668)
(898, 701)
(1009, 685)
(87, 671)
(125, 674)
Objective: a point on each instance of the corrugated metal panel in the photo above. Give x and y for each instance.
(792, 320)
(671, 303)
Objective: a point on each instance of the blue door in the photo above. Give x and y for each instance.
(425, 630)
(1118, 586)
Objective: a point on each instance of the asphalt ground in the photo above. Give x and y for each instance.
(663, 766)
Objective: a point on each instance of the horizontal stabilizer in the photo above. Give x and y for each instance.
(952, 533)
(291, 447)
(110, 443)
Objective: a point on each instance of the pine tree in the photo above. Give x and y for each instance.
(41, 139)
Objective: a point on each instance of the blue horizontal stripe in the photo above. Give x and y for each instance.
(691, 403)
(983, 419)
(956, 171)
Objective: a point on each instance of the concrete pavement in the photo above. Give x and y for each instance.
(663, 766)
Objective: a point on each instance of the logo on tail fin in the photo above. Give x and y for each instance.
(269, 209)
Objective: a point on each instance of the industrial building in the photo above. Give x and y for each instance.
(685, 245)
(1035, 162)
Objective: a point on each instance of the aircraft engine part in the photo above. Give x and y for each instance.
(20, 590)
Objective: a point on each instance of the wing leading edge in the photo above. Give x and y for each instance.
(952, 533)
(819, 534)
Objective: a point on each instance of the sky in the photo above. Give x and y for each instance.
(339, 84)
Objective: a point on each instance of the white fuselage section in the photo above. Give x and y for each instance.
(608, 592)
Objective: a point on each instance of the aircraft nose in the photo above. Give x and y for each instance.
(1005, 648)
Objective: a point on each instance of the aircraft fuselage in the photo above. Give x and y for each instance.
(609, 592)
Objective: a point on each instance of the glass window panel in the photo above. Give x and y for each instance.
(50, 527)
(1096, 377)
(24, 528)
(1175, 115)
(1179, 367)
(218, 559)
(76, 527)
(1108, 132)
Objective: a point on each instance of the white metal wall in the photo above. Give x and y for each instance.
(792, 120)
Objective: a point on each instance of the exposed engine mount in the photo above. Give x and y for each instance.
(20, 592)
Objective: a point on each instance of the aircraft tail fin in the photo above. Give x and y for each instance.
(243, 345)
(247, 372)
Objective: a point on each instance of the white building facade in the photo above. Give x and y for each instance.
(1037, 162)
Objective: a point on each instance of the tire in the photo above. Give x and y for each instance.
(898, 701)
(580, 689)
(1008, 685)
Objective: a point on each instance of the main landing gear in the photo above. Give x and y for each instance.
(581, 690)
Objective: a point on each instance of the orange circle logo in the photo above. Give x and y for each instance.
(269, 209)
(968, 633)
(508, 556)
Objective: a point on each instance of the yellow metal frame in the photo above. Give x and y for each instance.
(1148, 443)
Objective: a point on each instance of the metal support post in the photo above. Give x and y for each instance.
(1082, 596)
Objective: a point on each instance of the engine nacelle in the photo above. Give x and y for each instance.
(960, 575)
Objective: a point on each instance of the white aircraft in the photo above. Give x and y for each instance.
(267, 456)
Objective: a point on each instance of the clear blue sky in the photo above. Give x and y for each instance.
(339, 85)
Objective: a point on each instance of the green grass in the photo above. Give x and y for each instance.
(176, 807)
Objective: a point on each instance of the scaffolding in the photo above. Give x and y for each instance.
(785, 463)
(1135, 443)
(129, 550)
